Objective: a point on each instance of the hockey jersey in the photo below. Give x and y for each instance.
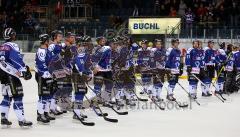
(126, 57)
(42, 59)
(82, 63)
(173, 60)
(236, 57)
(102, 58)
(230, 61)
(144, 58)
(56, 49)
(158, 58)
(10, 53)
(209, 56)
(194, 59)
(221, 56)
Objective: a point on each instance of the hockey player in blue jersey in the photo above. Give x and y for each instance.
(194, 64)
(55, 66)
(125, 76)
(82, 74)
(157, 64)
(143, 66)
(209, 62)
(102, 70)
(69, 51)
(221, 58)
(44, 80)
(12, 68)
(173, 64)
(230, 84)
(236, 80)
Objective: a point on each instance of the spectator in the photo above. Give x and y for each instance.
(163, 11)
(173, 12)
(182, 7)
(156, 7)
(135, 12)
(235, 13)
(210, 16)
(29, 24)
(201, 12)
(189, 17)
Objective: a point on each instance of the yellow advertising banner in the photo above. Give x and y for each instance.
(154, 25)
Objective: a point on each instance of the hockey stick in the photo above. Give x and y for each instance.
(220, 71)
(100, 110)
(119, 113)
(180, 105)
(84, 122)
(206, 86)
(161, 108)
(140, 99)
(188, 93)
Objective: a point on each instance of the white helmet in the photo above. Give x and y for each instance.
(8, 33)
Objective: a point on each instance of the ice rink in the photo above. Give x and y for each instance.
(212, 119)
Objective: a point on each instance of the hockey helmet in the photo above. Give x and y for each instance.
(43, 38)
(8, 33)
(55, 33)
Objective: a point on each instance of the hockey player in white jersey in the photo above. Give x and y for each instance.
(44, 80)
(12, 68)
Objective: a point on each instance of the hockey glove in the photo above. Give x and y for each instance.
(189, 69)
(27, 74)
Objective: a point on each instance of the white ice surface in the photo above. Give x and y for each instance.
(212, 119)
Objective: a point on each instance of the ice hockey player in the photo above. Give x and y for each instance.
(12, 68)
(194, 64)
(69, 51)
(102, 70)
(82, 74)
(236, 57)
(125, 76)
(143, 63)
(221, 58)
(202, 69)
(173, 63)
(209, 60)
(44, 80)
(158, 61)
(230, 84)
(55, 67)
(115, 59)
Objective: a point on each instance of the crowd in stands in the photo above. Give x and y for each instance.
(20, 14)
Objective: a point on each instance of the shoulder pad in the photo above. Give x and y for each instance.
(169, 51)
(149, 48)
(105, 48)
(189, 50)
(51, 47)
(135, 45)
(63, 44)
(13, 45)
(221, 51)
(81, 55)
(206, 48)
(41, 54)
(153, 49)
